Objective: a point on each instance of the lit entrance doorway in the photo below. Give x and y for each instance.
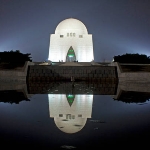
(71, 55)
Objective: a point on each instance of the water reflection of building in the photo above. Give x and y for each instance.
(70, 112)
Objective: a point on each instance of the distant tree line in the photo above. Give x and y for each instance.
(132, 58)
(134, 97)
(12, 59)
(12, 96)
(14, 56)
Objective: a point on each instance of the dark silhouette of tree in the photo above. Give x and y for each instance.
(12, 96)
(14, 56)
(132, 58)
(134, 97)
(12, 59)
(17, 51)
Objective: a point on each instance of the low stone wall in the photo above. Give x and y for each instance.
(140, 73)
(12, 75)
(79, 73)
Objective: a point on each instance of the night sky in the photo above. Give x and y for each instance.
(117, 26)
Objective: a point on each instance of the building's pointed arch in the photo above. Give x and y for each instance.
(70, 55)
(70, 99)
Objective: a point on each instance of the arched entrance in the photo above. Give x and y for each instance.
(70, 98)
(71, 55)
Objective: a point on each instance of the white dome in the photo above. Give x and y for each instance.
(71, 25)
(70, 126)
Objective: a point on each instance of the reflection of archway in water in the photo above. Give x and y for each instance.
(70, 112)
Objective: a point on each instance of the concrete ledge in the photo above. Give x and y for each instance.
(131, 76)
(15, 75)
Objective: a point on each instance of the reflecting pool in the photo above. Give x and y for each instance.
(74, 115)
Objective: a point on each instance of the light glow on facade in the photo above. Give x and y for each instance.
(71, 33)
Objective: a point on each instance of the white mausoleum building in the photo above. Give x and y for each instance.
(71, 42)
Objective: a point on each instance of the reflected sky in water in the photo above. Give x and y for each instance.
(107, 121)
